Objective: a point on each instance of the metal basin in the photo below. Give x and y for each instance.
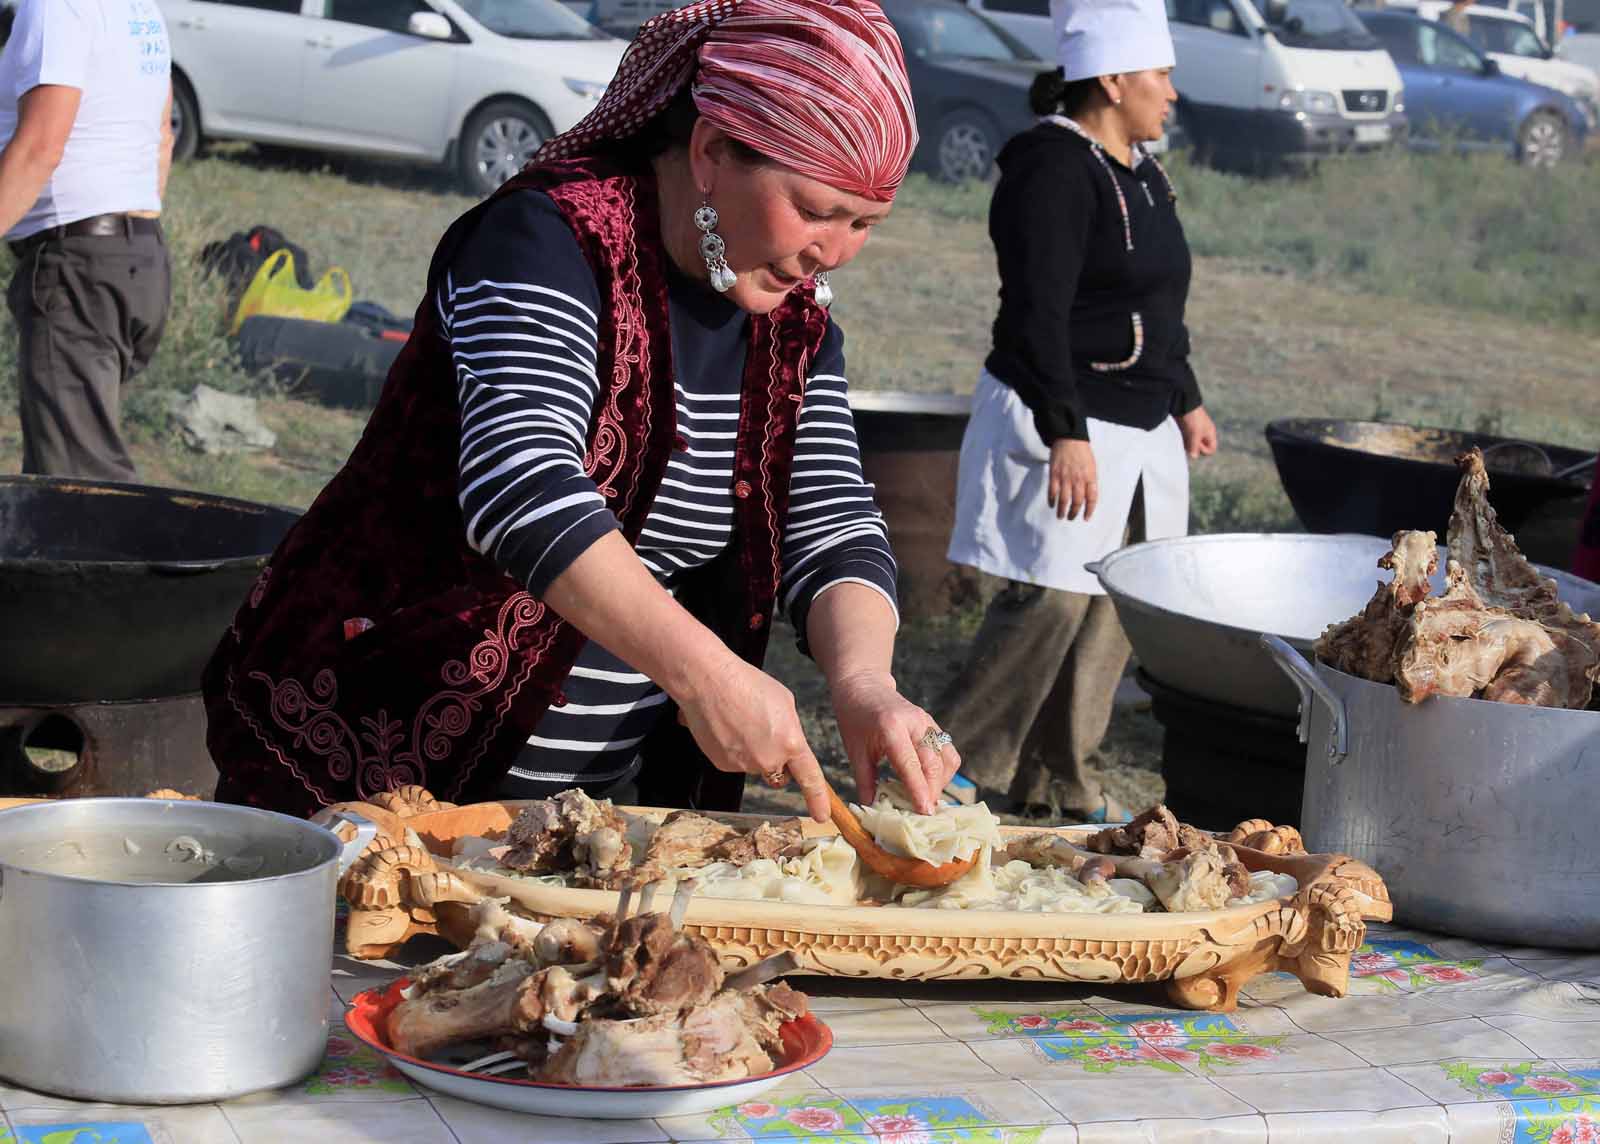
(1478, 815)
(1195, 607)
(118, 592)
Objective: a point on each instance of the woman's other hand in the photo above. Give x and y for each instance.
(877, 722)
(1199, 432)
(1074, 484)
(744, 720)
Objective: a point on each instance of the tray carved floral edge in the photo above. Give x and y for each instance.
(397, 890)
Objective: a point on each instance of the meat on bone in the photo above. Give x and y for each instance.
(570, 831)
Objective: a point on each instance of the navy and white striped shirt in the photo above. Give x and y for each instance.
(520, 307)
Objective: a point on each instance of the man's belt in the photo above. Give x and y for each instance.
(96, 226)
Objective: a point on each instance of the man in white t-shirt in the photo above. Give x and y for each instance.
(85, 109)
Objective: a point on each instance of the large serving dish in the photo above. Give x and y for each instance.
(805, 1040)
(398, 891)
(1195, 607)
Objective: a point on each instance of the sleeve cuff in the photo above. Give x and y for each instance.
(539, 569)
(1055, 422)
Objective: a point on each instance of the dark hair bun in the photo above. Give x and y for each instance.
(1044, 96)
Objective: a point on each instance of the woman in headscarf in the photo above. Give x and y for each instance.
(617, 441)
(1083, 415)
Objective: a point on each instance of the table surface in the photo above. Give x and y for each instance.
(1440, 1039)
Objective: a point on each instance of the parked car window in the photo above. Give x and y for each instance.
(291, 6)
(955, 32)
(1326, 24)
(390, 15)
(531, 19)
(1398, 37)
(1441, 48)
(1218, 15)
(1506, 36)
(1019, 7)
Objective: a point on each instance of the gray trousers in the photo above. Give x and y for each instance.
(1032, 704)
(90, 311)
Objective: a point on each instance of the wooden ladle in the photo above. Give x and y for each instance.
(895, 867)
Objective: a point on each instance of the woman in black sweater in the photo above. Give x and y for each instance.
(1085, 417)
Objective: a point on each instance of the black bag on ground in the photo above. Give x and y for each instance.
(336, 363)
(236, 259)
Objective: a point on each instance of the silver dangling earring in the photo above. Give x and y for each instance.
(822, 292)
(714, 250)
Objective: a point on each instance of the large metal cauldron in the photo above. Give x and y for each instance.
(158, 952)
(119, 592)
(1479, 815)
(1378, 477)
(1195, 607)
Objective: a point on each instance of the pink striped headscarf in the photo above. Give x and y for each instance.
(819, 86)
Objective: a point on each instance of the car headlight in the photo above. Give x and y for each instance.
(1316, 102)
(585, 88)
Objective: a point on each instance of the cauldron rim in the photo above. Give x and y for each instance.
(139, 565)
(1304, 432)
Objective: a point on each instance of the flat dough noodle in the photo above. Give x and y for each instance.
(951, 832)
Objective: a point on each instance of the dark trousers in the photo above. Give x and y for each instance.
(1032, 704)
(90, 311)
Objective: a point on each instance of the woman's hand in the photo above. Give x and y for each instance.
(1199, 432)
(1074, 484)
(744, 720)
(876, 722)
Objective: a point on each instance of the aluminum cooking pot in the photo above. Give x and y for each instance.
(164, 952)
(1479, 815)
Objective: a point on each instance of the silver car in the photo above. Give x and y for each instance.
(477, 84)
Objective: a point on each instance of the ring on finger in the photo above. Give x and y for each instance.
(777, 778)
(935, 739)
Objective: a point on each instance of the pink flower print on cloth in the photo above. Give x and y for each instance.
(1410, 965)
(1553, 1086)
(899, 1129)
(1032, 1021)
(814, 1119)
(1241, 1052)
(1581, 1129)
(756, 1110)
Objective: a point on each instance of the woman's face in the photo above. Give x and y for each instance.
(781, 227)
(1147, 99)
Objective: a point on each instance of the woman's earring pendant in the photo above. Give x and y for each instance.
(822, 292)
(714, 250)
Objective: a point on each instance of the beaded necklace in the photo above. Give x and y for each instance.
(1097, 149)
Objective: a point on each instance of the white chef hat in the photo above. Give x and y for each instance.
(1110, 37)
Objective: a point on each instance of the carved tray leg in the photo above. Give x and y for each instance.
(1217, 990)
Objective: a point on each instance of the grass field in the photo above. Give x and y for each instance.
(1442, 290)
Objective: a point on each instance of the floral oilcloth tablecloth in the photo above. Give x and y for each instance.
(1440, 1039)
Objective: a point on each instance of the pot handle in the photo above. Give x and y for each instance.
(1311, 688)
(366, 831)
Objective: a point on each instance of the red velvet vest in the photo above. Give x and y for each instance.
(459, 661)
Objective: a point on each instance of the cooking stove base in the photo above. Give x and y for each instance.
(105, 749)
(1224, 764)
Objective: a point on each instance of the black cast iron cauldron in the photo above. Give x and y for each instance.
(116, 592)
(1379, 477)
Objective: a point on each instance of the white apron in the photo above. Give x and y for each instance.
(1004, 525)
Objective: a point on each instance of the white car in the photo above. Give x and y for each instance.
(478, 84)
(1261, 78)
(1509, 39)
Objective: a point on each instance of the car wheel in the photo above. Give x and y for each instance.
(1542, 140)
(497, 142)
(968, 141)
(185, 120)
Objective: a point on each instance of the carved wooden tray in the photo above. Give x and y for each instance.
(396, 891)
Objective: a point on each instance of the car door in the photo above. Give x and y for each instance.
(372, 85)
(245, 60)
(1480, 107)
(1027, 20)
